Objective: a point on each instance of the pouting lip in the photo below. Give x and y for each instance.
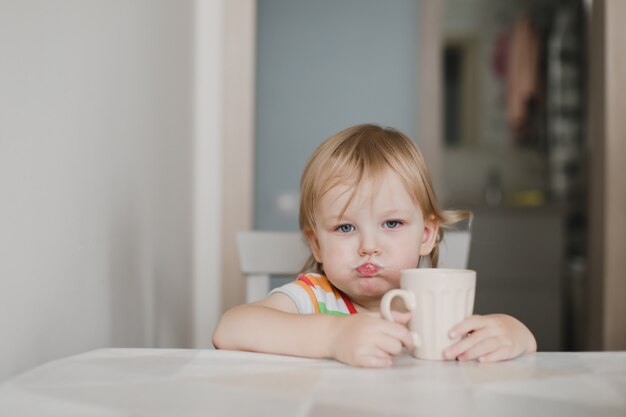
(368, 269)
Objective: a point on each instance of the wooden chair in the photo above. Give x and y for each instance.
(262, 254)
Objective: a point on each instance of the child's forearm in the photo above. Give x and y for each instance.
(262, 329)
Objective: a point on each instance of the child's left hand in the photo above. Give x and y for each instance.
(490, 338)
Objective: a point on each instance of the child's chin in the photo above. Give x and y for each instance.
(373, 286)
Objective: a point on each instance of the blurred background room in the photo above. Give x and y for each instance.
(136, 139)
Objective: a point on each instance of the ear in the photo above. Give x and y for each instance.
(429, 237)
(314, 245)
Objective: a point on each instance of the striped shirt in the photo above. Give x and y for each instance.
(314, 294)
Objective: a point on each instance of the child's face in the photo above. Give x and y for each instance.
(381, 232)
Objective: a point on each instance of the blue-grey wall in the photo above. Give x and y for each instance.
(324, 65)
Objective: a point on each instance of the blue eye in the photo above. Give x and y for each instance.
(392, 224)
(345, 228)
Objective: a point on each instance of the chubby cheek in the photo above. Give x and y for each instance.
(402, 261)
(411, 261)
(336, 256)
(406, 253)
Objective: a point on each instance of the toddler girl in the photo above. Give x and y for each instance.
(367, 211)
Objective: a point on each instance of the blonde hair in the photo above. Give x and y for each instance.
(365, 152)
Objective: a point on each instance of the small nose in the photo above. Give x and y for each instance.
(369, 245)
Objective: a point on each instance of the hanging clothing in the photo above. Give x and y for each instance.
(522, 82)
(500, 56)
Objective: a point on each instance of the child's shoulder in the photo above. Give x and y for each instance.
(311, 275)
(323, 295)
(319, 284)
(314, 279)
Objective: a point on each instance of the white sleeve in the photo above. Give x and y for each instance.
(298, 295)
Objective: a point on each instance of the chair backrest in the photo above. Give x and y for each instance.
(262, 254)
(454, 249)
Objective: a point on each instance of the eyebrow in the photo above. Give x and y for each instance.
(397, 212)
(333, 218)
(392, 212)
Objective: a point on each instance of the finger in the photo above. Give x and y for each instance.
(400, 317)
(497, 355)
(399, 332)
(390, 345)
(483, 348)
(470, 324)
(375, 361)
(466, 343)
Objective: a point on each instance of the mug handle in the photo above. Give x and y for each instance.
(409, 302)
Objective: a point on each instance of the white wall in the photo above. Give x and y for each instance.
(96, 177)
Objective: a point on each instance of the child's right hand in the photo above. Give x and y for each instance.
(369, 341)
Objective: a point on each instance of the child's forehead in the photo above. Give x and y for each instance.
(363, 183)
(353, 193)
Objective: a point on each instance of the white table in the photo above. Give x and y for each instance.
(153, 382)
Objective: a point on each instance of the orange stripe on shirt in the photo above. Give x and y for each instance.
(309, 291)
(323, 284)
